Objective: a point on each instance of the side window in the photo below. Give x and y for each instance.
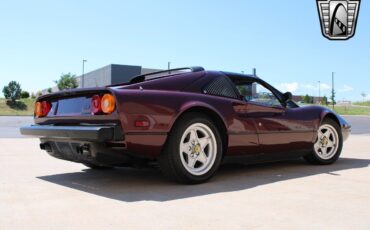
(220, 86)
(257, 93)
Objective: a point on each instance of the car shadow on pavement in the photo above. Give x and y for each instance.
(131, 185)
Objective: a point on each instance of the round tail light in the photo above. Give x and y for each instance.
(38, 109)
(95, 104)
(108, 103)
(42, 109)
(46, 107)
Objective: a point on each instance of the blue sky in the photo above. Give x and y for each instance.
(282, 39)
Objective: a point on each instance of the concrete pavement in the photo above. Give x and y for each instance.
(40, 192)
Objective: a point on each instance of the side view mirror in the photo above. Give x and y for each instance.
(288, 96)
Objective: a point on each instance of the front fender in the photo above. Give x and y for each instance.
(344, 125)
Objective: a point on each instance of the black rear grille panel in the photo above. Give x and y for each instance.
(220, 87)
(69, 151)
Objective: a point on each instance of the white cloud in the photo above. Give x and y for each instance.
(345, 88)
(291, 87)
(308, 86)
(323, 86)
(299, 88)
(296, 87)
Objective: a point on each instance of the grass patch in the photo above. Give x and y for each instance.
(365, 103)
(23, 107)
(352, 110)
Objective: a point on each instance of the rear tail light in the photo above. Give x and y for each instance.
(95, 104)
(38, 109)
(46, 107)
(108, 103)
(105, 104)
(42, 109)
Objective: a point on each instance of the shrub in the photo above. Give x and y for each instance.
(25, 94)
(12, 91)
(67, 81)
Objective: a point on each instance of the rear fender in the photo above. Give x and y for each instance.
(194, 105)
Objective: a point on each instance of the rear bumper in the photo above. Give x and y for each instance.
(100, 145)
(82, 133)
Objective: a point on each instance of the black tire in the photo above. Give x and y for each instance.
(97, 167)
(314, 157)
(170, 161)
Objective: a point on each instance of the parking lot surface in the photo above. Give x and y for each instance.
(40, 192)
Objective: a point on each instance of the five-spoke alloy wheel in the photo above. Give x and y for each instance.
(193, 150)
(198, 149)
(328, 145)
(327, 142)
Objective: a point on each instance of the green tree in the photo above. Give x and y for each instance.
(67, 81)
(25, 94)
(242, 90)
(307, 99)
(33, 96)
(12, 91)
(324, 100)
(364, 96)
(50, 90)
(332, 97)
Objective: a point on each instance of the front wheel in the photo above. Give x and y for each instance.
(193, 151)
(328, 145)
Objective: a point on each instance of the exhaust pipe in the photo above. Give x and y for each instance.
(83, 150)
(46, 147)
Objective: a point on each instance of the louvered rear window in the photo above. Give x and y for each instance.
(220, 86)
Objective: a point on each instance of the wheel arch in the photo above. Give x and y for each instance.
(333, 116)
(210, 112)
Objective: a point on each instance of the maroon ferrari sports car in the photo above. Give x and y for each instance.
(188, 121)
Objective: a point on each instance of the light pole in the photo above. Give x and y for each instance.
(83, 74)
(319, 92)
(332, 90)
(169, 67)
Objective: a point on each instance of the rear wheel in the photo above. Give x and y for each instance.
(328, 145)
(193, 151)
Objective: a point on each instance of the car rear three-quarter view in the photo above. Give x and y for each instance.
(188, 121)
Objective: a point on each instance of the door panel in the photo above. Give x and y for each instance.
(243, 138)
(279, 130)
(283, 131)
